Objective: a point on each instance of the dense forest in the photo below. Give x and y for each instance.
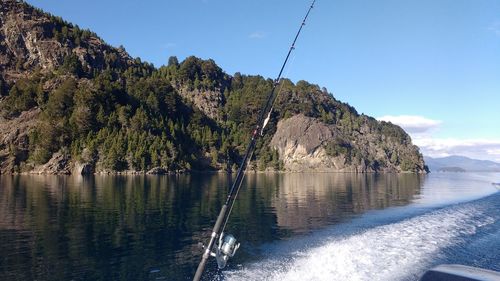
(100, 106)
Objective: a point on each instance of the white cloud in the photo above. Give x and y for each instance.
(484, 149)
(411, 123)
(257, 35)
(421, 130)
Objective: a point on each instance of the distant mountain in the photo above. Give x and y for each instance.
(451, 163)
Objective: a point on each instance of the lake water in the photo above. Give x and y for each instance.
(291, 226)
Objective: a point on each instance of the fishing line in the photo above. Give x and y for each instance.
(289, 68)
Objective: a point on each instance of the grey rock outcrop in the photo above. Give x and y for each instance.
(157, 171)
(82, 169)
(208, 101)
(14, 139)
(27, 43)
(303, 145)
(59, 164)
(300, 142)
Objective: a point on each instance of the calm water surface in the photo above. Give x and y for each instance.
(292, 226)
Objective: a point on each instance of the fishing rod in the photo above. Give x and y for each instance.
(227, 245)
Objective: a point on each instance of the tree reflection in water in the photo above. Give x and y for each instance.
(148, 227)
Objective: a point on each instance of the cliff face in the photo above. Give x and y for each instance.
(305, 144)
(300, 141)
(70, 103)
(14, 139)
(209, 102)
(31, 39)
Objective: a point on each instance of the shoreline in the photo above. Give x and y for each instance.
(193, 172)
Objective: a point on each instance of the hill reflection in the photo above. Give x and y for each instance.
(122, 227)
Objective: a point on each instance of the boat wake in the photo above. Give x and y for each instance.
(397, 251)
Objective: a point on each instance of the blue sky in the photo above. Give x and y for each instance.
(431, 66)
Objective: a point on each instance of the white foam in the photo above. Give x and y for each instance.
(397, 251)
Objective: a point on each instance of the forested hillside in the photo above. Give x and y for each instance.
(71, 103)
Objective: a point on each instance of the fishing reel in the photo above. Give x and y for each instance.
(225, 249)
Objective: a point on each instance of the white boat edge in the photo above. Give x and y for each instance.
(456, 272)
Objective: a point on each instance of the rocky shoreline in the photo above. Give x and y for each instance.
(161, 171)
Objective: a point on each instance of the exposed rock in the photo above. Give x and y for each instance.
(209, 102)
(301, 142)
(157, 171)
(14, 139)
(82, 169)
(59, 164)
(27, 43)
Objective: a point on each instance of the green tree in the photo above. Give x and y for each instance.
(22, 96)
(60, 101)
(83, 117)
(173, 61)
(72, 65)
(64, 32)
(139, 122)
